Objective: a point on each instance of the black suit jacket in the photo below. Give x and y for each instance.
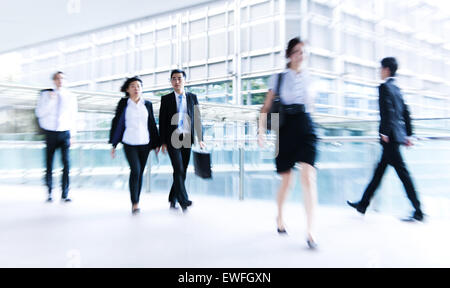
(169, 108)
(395, 118)
(118, 124)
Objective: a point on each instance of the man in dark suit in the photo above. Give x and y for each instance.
(179, 118)
(395, 129)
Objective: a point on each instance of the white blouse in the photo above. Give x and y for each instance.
(136, 123)
(295, 88)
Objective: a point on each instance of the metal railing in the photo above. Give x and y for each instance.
(241, 144)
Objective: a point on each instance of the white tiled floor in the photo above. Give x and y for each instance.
(98, 230)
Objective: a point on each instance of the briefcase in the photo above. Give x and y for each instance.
(202, 164)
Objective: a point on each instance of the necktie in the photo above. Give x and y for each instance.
(181, 113)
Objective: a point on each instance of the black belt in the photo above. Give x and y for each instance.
(293, 109)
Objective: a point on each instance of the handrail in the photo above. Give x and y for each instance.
(269, 138)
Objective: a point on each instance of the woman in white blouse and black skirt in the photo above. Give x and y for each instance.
(297, 138)
(134, 125)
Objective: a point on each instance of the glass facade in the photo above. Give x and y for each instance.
(230, 48)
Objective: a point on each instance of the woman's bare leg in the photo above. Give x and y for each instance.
(282, 195)
(309, 184)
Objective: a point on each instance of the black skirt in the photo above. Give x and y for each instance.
(297, 142)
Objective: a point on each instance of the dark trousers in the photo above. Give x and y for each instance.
(137, 159)
(53, 141)
(180, 161)
(391, 156)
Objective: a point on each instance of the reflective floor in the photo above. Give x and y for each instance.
(98, 230)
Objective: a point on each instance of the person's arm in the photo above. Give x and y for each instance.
(43, 107)
(274, 88)
(163, 126)
(408, 125)
(198, 122)
(387, 111)
(262, 121)
(154, 135)
(407, 118)
(114, 126)
(74, 117)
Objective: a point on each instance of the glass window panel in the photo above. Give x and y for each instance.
(230, 43)
(244, 39)
(199, 90)
(104, 86)
(106, 48)
(230, 18)
(321, 36)
(321, 9)
(293, 29)
(259, 63)
(120, 45)
(257, 98)
(148, 81)
(197, 73)
(261, 37)
(198, 49)
(148, 59)
(293, 6)
(217, 45)
(320, 62)
(163, 56)
(367, 49)
(244, 15)
(216, 21)
(162, 78)
(260, 10)
(163, 34)
(197, 26)
(147, 38)
(244, 65)
(120, 64)
(218, 69)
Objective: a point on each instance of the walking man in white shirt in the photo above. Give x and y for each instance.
(57, 110)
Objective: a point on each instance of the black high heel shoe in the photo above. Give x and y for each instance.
(311, 243)
(281, 231)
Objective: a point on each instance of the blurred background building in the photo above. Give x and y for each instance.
(229, 49)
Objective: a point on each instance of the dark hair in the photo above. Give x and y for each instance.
(291, 45)
(175, 71)
(127, 83)
(391, 64)
(56, 73)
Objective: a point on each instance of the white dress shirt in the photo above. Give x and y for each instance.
(57, 110)
(136, 123)
(296, 88)
(186, 128)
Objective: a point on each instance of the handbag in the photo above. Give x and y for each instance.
(276, 106)
(202, 164)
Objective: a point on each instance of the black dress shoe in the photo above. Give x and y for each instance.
(49, 199)
(417, 216)
(173, 205)
(66, 200)
(186, 204)
(135, 211)
(357, 206)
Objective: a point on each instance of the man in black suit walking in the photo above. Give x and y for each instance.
(179, 118)
(395, 129)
